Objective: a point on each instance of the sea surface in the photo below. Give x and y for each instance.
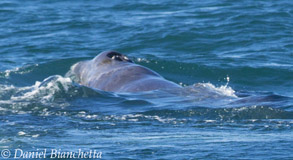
(234, 60)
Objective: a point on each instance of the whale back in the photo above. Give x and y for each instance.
(113, 71)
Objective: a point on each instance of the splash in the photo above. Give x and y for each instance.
(223, 90)
(208, 91)
(46, 92)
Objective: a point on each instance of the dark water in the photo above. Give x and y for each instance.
(235, 59)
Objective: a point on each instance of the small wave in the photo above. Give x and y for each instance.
(207, 115)
(211, 89)
(44, 91)
(253, 118)
(18, 70)
(225, 114)
(29, 99)
(53, 92)
(49, 90)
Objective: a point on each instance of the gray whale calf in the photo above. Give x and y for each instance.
(113, 71)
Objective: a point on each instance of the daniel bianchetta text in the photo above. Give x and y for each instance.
(53, 153)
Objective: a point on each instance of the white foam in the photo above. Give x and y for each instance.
(222, 90)
(209, 121)
(45, 92)
(18, 70)
(21, 133)
(35, 136)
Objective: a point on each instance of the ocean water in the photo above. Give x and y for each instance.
(234, 59)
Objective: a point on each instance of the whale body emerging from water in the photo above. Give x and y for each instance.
(113, 71)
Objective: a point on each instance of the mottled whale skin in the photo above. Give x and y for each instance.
(113, 71)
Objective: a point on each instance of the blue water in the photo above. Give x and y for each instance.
(234, 59)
